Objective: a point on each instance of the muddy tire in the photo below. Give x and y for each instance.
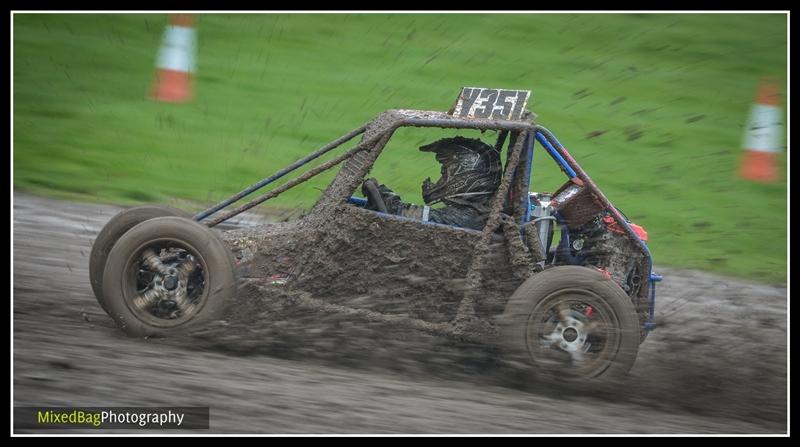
(569, 324)
(110, 234)
(166, 275)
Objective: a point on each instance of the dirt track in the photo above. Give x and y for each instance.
(716, 364)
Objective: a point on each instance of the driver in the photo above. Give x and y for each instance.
(470, 175)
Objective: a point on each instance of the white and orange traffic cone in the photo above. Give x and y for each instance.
(762, 137)
(176, 61)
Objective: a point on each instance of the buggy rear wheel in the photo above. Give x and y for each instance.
(167, 274)
(568, 323)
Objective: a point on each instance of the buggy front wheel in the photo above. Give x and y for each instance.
(110, 234)
(166, 275)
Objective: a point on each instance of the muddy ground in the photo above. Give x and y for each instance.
(716, 364)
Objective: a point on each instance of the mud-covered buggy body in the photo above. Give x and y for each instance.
(579, 304)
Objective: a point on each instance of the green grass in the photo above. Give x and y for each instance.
(666, 96)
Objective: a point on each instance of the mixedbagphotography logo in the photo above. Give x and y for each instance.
(145, 418)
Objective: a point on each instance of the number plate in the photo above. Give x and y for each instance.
(490, 103)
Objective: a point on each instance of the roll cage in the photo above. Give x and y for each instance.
(512, 192)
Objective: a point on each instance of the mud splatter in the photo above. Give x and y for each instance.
(716, 364)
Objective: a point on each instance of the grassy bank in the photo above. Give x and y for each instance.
(652, 106)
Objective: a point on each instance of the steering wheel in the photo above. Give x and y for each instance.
(374, 196)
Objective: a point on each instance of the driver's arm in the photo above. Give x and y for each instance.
(395, 205)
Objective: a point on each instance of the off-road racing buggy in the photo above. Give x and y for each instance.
(575, 307)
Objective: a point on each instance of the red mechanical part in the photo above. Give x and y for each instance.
(605, 273)
(640, 231)
(616, 228)
(613, 225)
(588, 311)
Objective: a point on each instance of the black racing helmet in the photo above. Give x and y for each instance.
(471, 171)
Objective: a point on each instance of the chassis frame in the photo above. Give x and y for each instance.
(358, 161)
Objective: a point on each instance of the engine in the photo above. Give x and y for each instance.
(589, 236)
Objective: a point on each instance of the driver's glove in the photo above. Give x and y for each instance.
(392, 200)
(364, 186)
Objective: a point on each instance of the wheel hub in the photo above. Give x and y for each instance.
(170, 282)
(570, 334)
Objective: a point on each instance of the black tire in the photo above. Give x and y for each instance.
(110, 234)
(166, 275)
(569, 324)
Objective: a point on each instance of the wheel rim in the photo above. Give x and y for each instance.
(165, 283)
(573, 333)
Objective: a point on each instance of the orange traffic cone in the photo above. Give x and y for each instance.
(176, 61)
(762, 138)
